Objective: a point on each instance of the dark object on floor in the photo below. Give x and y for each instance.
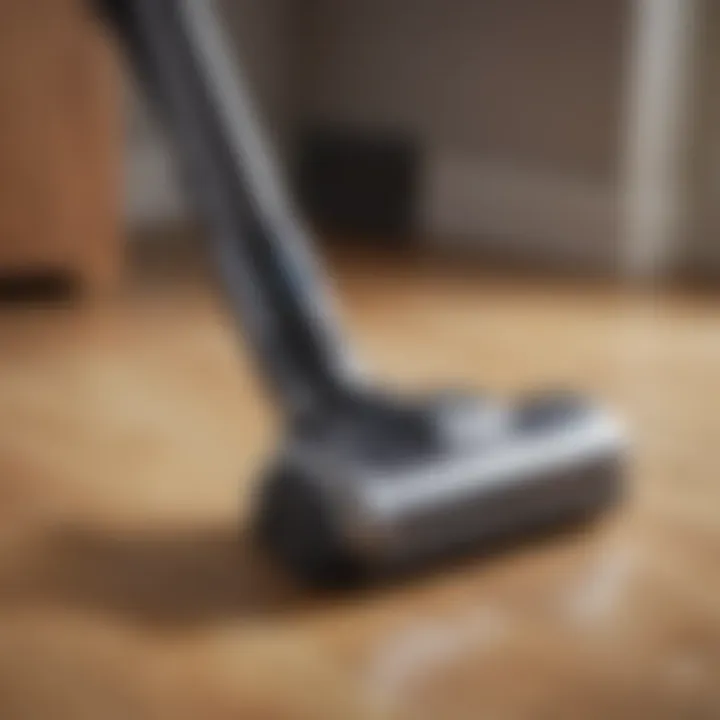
(358, 182)
(365, 482)
(36, 288)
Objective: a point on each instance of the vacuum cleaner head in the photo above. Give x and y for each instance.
(378, 485)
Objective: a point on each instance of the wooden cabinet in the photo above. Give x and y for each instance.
(60, 142)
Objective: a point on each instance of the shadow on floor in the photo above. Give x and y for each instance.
(205, 575)
(43, 289)
(160, 579)
(202, 576)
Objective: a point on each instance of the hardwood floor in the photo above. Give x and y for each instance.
(131, 430)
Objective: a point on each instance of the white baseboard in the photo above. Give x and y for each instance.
(152, 195)
(472, 204)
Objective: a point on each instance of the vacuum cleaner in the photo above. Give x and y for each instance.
(366, 482)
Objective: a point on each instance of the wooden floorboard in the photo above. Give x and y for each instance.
(131, 431)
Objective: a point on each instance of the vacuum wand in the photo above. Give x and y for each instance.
(364, 482)
(182, 58)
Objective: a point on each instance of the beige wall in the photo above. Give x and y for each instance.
(517, 106)
(539, 83)
(702, 249)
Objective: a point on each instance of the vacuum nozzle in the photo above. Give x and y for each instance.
(384, 486)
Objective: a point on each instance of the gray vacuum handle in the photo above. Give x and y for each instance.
(179, 53)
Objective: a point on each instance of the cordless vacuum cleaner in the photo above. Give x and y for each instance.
(365, 482)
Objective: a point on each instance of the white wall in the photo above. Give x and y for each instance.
(662, 84)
